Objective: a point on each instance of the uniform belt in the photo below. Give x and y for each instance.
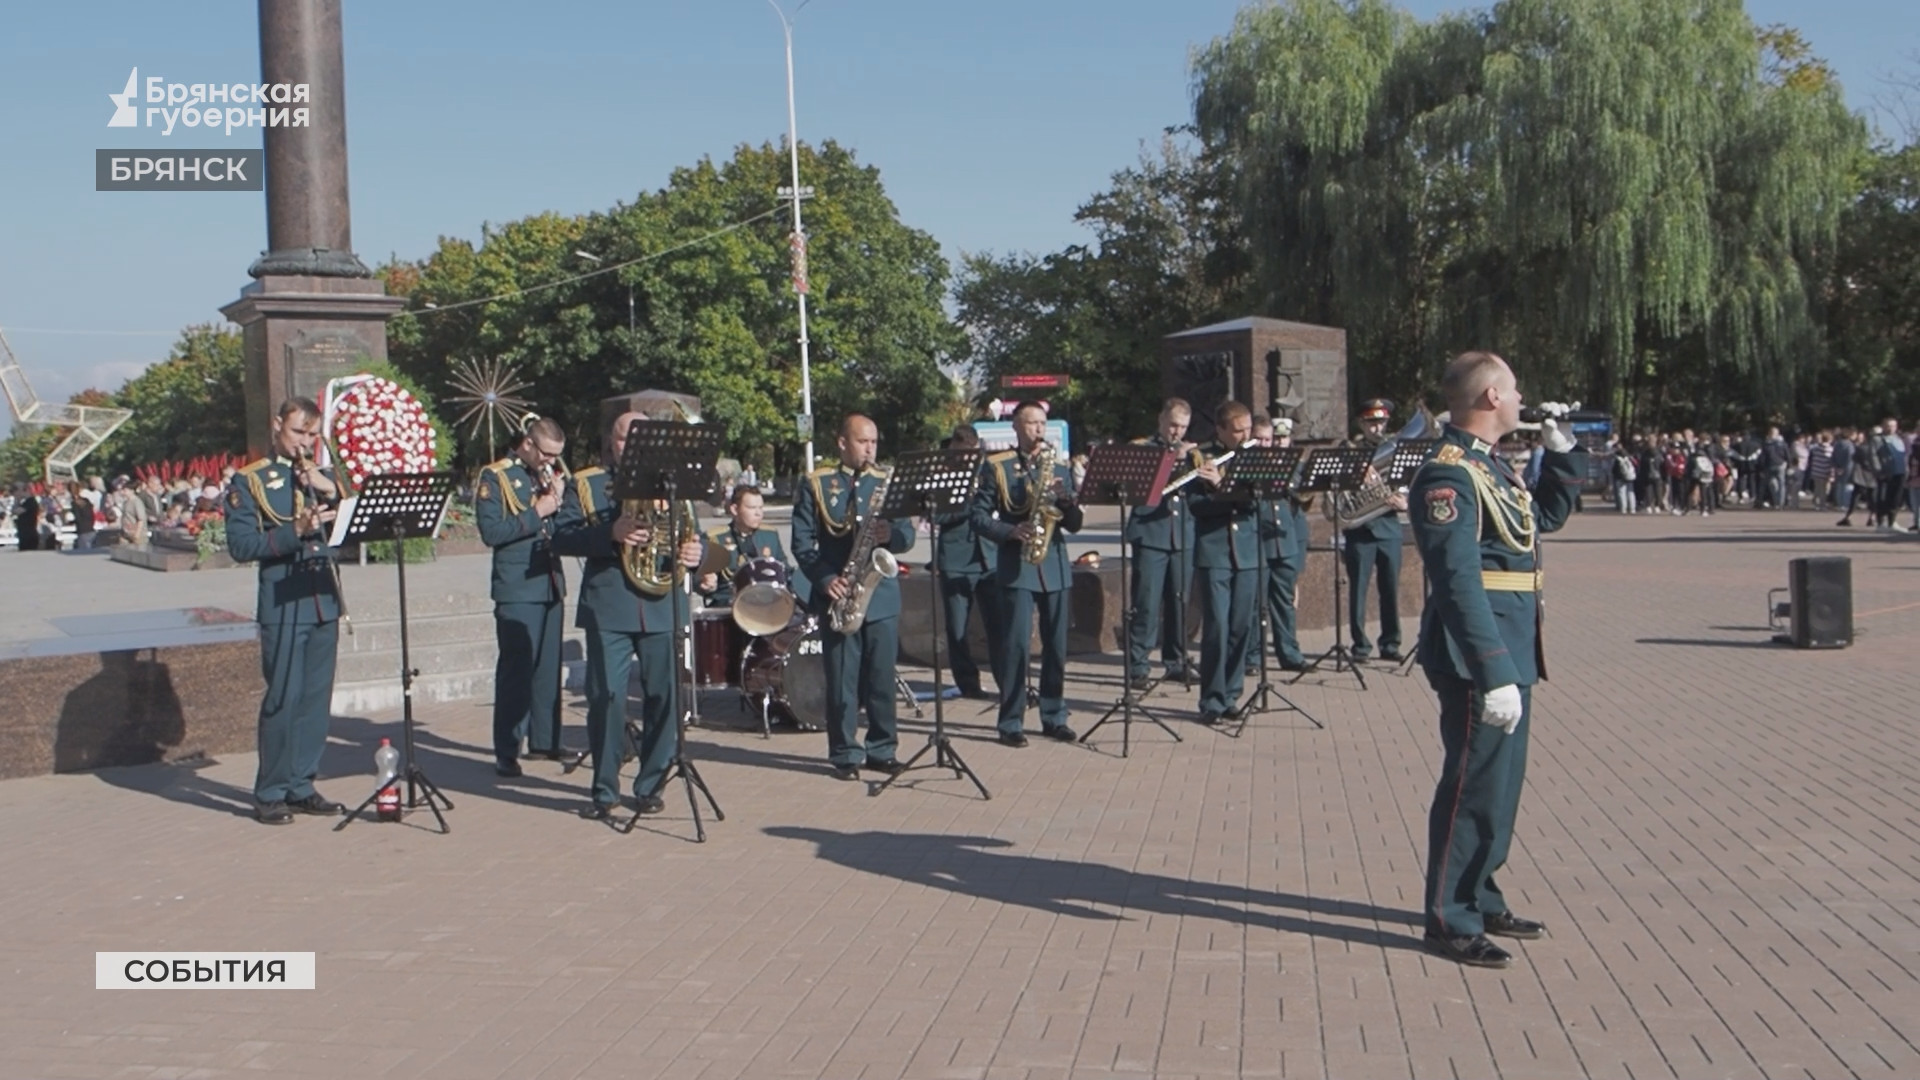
(1512, 580)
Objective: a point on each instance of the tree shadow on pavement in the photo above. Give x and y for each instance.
(1085, 890)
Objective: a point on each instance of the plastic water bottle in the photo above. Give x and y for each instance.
(386, 763)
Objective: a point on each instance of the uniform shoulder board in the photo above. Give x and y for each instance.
(822, 472)
(256, 466)
(591, 470)
(1450, 454)
(1142, 440)
(880, 470)
(1004, 455)
(717, 535)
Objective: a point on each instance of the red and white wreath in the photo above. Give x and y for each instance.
(380, 428)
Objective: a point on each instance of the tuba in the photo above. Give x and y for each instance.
(1045, 516)
(641, 562)
(1352, 509)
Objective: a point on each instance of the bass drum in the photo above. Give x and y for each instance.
(716, 641)
(785, 674)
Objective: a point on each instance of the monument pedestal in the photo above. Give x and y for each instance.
(300, 331)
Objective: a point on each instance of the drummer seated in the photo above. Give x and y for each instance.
(744, 541)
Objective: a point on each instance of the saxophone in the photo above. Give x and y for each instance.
(641, 562)
(1045, 516)
(867, 566)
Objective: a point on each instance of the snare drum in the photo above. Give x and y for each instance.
(716, 643)
(763, 600)
(786, 675)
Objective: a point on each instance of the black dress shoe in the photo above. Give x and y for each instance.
(1474, 951)
(315, 804)
(846, 772)
(1061, 732)
(273, 813)
(1507, 924)
(1210, 719)
(1012, 738)
(548, 755)
(1391, 656)
(1293, 665)
(507, 769)
(599, 811)
(891, 766)
(651, 804)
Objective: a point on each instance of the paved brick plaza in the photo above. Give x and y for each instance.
(1723, 835)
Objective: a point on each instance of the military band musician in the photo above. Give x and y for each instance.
(828, 514)
(623, 624)
(1014, 493)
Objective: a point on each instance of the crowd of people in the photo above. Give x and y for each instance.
(1873, 471)
(47, 518)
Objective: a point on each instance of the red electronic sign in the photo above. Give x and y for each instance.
(1034, 382)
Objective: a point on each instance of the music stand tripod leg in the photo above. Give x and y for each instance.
(419, 787)
(1126, 707)
(682, 719)
(944, 755)
(1259, 700)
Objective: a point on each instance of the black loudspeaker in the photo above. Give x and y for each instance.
(1822, 594)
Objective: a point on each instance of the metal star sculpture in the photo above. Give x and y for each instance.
(488, 388)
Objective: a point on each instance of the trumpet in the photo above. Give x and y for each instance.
(1193, 473)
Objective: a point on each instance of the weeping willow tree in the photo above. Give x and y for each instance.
(1629, 198)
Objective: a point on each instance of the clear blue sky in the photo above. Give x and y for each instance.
(990, 122)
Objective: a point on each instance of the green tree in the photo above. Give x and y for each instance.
(1632, 199)
(189, 404)
(1873, 302)
(1166, 256)
(713, 315)
(23, 454)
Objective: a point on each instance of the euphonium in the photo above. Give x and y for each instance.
(642, 562)
(1045, 516)
(867, 566)
(1355, 508)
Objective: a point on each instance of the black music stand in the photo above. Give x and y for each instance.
(671, 461)
(1408, 456)
(395, 507)
(933, 484)
(1264, 473)
(1336, 469)
(1127, 475)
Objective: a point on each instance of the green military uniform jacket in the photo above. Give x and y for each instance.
(764, 543)
(1168, 526)
(297, 583)
(1283, 528)
(1003, 501)
(608, 601)
(830, 502)
(525, 568)
(963, 552)
(1226, 531)
(1477, 527)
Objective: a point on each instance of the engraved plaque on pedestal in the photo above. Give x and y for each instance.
(315, 357)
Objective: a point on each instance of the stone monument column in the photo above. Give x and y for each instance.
(314, 311)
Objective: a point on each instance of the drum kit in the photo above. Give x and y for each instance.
(765, 645)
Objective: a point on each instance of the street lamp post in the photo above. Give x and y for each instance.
(798, 193)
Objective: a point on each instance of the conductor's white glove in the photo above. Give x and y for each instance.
(1502, 708)
(1555, 438)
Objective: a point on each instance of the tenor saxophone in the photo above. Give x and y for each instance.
(867, 566)
(1044, 517)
